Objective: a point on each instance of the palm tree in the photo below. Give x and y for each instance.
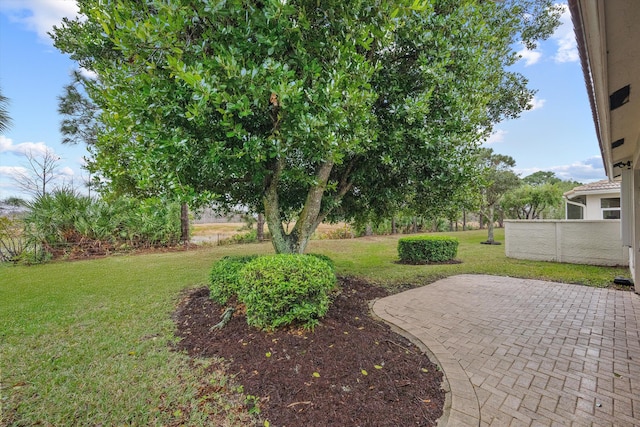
(5, 120)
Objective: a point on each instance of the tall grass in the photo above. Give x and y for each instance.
(89, 342)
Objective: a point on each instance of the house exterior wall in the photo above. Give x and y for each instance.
(593, 211)
(592, 208)
(570, 241)
(634, 250)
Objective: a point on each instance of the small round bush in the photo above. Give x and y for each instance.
(224, 277)
(326, 259)
(280, 290)
(424, 249)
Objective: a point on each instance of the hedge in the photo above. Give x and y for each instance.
(424, 249)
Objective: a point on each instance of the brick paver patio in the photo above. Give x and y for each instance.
(519, 352)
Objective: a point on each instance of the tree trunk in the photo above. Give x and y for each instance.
(368, 230)
(394, 227)
(260, 227)
(309, 218)
(184, 223)
(490, 225)
(279, 238)
(464, 220)
(481, 220)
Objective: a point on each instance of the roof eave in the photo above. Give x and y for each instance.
(587, 17)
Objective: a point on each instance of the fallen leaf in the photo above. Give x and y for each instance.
(424, 370)
(377, 366)
(266, 423)
(316, 374)
(426, 400)
(364, 372)
(268, 354)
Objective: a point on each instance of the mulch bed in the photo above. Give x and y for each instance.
(350, 371)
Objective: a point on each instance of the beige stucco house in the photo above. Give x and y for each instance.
(608, 37)
(597, 200)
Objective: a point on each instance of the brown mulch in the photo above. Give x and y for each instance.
(351, 370)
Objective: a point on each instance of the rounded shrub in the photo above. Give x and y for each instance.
(280, 290)
(326, 259)
(424, 249)
(224, 279)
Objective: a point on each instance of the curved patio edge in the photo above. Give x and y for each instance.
(461, 405)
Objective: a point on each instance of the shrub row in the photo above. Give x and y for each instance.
(277, 290)
(421, 249)
(64, 223)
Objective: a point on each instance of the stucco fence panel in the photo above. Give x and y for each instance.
(571, 241)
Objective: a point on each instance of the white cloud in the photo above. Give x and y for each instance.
(529, 56)
(565, 39)
(33, 148)
(495, 137)
(12, 171)
(583, 171)
(66, 171)
(537, 103)
(587, 170)
(88, 73)
(39, 15)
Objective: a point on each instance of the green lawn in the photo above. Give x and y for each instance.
(88, 342)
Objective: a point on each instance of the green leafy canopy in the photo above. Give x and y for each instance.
(301, 109)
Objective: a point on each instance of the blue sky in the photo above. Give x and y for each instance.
(556, 135)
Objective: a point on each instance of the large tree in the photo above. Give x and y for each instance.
(301, 109)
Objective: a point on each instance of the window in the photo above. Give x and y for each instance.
(610, 207)
(574, 211)
(611, 202)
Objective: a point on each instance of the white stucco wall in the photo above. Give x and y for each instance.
(570, 241)
(593, 211)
